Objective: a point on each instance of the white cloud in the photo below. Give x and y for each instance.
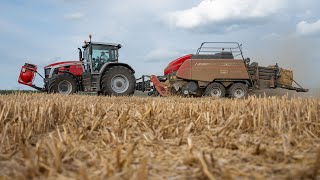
(10, 28)
(228, 12)
(271, 36)
(74, 16)
(304, 28)
(161, 54)
(305, 14)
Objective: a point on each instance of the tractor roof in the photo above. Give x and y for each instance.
(106, 44)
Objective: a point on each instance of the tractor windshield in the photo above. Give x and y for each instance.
(102, 54)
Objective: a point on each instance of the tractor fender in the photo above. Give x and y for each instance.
(109, 65)
(71, 75)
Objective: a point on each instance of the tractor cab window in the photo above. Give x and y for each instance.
(102, 54)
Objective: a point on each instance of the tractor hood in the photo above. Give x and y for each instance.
(64, 63)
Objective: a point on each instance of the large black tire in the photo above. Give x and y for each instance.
(63, 83)
(238, 91)
(215, 90)
(118, 81)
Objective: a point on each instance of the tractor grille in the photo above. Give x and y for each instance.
(47, 72)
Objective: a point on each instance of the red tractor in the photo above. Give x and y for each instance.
(97, 70)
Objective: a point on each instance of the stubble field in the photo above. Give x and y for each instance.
(91, 137)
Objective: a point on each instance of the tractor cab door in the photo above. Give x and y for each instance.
(102, 54)
(87, 73)
(95, 56)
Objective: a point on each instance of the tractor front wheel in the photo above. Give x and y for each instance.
(63, 84)
(118, 81)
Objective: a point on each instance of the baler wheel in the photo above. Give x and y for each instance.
(238, 91)
(215, 90)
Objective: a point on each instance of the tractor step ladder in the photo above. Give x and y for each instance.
(94, 86)
(94, 82)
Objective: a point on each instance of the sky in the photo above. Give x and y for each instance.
(155, 32)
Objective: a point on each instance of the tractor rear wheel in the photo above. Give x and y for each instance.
(215, 90)
(118, 81)
(238, 91)
(63, 84)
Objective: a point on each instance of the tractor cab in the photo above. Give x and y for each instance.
(96, 54)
